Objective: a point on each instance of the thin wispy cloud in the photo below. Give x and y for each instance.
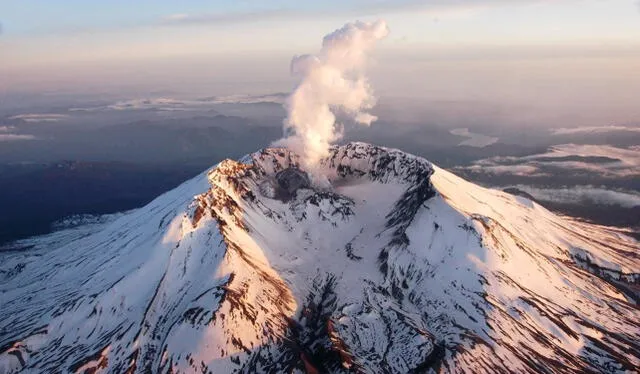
(603, 160)
(171, 104)
(582, 194)
(518, 170)
(176, 17)
(593, 130)
(7, 134)
(358, 8)
(40, 117)
(15, 137)
(183, 19)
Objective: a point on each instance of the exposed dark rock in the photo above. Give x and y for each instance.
(292, 179)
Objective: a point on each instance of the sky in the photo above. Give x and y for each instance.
(442, 49)
(85, 30)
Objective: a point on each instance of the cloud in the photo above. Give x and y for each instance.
(47, 117)
(354, 9)
(604, 160)
(166, 104)
(228, 18)
(520, 170)
(592, 130)
(293, 10)
(583, 194)
(475, 140)
(7, 136)
(625, 161)
(331, 81)
(160, 103)
(176, 17)
(15, 137)
(277, 98)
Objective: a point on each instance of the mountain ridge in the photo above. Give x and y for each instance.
(390, 264)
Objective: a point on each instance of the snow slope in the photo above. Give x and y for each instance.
(391, 266)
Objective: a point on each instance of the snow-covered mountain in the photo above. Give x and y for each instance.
(390, 265)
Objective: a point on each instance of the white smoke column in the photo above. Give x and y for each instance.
(333, 80)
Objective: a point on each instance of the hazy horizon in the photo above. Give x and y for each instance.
(556, 59)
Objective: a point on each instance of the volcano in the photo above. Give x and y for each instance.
(389, 264)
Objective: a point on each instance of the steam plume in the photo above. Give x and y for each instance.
(333, 80)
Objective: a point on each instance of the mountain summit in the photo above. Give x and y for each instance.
(376, 262)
